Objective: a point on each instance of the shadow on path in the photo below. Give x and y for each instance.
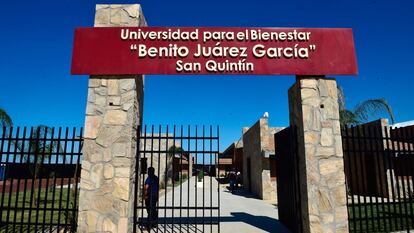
(240, 192)
(193, 224)
(261, 222)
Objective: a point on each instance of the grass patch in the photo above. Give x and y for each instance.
(28, 216)
(381, 217)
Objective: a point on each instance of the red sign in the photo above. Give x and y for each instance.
(205, 50)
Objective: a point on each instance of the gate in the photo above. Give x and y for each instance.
(287, 168)
(379, 168)
(185, 160)
(40, 179)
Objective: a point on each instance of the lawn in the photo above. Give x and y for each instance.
(19, 209)
(381, 217)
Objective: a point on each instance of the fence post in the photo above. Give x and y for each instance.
(313, 106)
(113, 113)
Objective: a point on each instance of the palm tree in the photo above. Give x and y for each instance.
(5, 119)
(175, 150)
(362, 111)
(40, 150)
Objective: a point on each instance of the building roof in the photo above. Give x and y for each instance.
(225, 161)
(237, 144)
(403, 124)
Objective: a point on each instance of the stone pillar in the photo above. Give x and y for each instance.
(314, 112)
(113, 113)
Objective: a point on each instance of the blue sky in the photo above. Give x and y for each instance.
(36, 42)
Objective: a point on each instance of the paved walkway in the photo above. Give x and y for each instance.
(242, 213)
(239, 212)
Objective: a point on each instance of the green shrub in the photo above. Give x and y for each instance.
(184, 176)
(200, 175)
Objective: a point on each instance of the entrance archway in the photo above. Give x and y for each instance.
(114, 115)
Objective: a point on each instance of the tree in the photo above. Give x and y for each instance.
(5, 119)
(37, 151)
(39, 148)
(362, 111)
(175, 150)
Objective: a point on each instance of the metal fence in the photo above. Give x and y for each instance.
(39, 187)
(288, 180)
(185, 161)
(379, 169)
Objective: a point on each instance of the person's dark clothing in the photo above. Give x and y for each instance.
(238, 179)
(151, 200)
(151, 206)
(153, 183)
(232, 180)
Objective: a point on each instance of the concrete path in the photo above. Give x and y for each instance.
(239, 212)
(242, 213)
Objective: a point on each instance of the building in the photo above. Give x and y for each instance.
(259, 164)
(378, 159)
(166, 166)
(231, 158)
(182, 165)
(254, 155)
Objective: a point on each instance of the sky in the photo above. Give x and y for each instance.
(36, 44)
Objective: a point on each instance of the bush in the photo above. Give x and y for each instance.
(184, 176)
(200, 175)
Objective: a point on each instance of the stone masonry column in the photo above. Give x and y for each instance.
(113, 114)
(314, 112)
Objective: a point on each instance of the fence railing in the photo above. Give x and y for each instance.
(39, 179)
(288, 180)
(187, 197)
(379, 168)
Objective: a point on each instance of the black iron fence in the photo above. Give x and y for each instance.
(187, 198)
(379, 169)
(39, 178)
(288, 180)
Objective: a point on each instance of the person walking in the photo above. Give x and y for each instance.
(151, 190)
(238, 180)
(232, 180)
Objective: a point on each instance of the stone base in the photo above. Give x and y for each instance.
(113, 114)
(313, 105)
